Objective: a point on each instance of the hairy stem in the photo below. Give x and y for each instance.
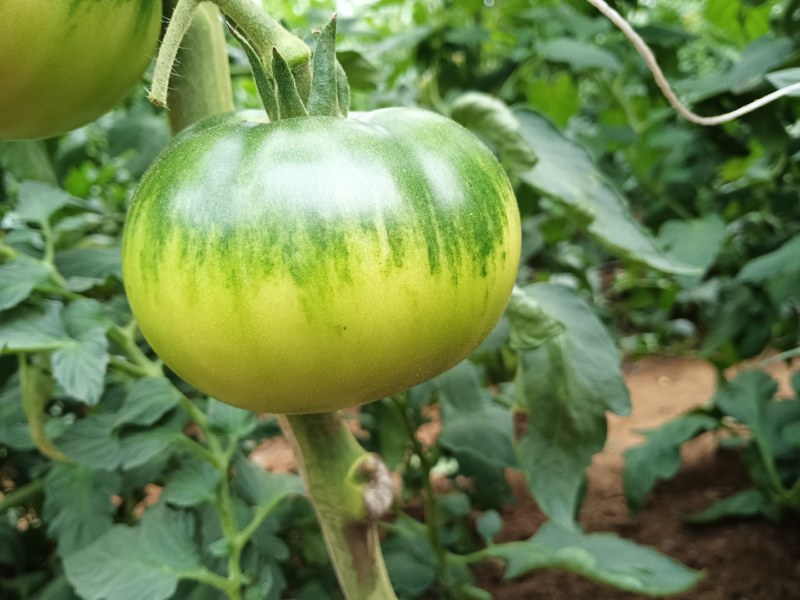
(34, 388)
(179, 24)
(201, 79)
(264, 32)
(341, 479)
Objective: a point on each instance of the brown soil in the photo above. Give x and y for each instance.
(743, 560)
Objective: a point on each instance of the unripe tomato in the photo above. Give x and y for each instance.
(63, 63)
(317, 263)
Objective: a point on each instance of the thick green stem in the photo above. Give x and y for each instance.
(350, 489)
(263, 32)
(34, 388)
(125, 338)
(179, 24)
(231, 533)
(201, 83)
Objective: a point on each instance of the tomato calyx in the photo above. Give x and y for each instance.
(329, 94)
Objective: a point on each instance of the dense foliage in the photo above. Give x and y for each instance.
(120, 481)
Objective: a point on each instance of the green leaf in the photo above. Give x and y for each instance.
(136, 563)
(778, 271)
(18, 278)
(147, 401)
(460, 388)
(746, 399)
(141, 137)
(410, 558)
(531, 326)
(261, 488)
(601, 557)
(85, 315)
(361, 73)
(191, 484)
(92, 442)
(756, 61)
(38, 201)
(80, 366)
(27, 159)
(488, 525)
(234, 422)
(580, 56)
(493, 119)
(695, 242)
(746, 503)
(565, 385)
(566, 173)
(324, 99)
(77, 506)
(85, 268)
(785, 78)
(140, 447)
(387, 431)
(739, 21)
(56, 589)
(28, 329)
(659, 457)
(471, 424)
(744, 316)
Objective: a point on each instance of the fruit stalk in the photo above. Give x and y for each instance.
(201, 81)
(350, 489)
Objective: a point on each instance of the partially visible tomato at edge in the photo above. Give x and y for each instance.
(63, 63)
(317, 263)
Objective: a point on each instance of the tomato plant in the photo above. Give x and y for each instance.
(119, 481)
(317, 263)
(63, 64)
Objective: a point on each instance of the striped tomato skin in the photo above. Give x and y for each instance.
(318, 263)
(63, 63)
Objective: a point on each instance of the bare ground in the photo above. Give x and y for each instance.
(743, 560)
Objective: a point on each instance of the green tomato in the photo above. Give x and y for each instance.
(64, 63)
(317, 263)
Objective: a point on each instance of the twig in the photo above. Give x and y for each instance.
(647, 54)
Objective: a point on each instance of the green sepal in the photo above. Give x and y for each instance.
(324, 98)
(290, 104)
(265, 83)
(342, 90)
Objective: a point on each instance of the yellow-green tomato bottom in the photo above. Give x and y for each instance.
(280, 349)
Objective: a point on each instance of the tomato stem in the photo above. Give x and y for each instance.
(264, 32)
(125, 338)
(432, 512)
(201, 82)
(342, 480)
(35, 393)
(179, 24)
